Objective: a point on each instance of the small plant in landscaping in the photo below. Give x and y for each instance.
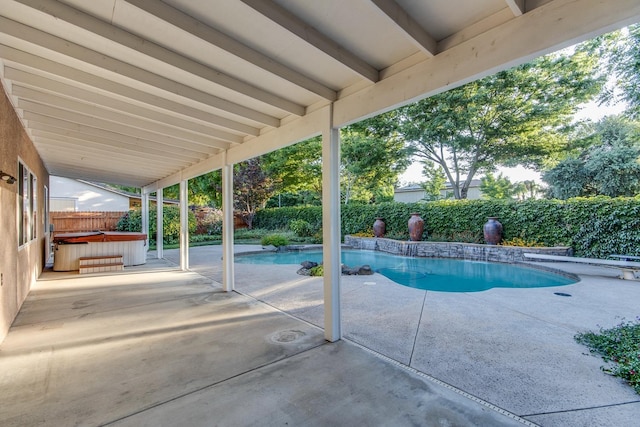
(517, 241)
(276, 240)
(210, 221)
(363, 234)
(301, 227)
(317, 271)
(621, 347)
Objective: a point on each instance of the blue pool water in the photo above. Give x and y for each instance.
(433, 274)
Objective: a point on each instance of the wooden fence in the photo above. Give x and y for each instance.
(71, 222)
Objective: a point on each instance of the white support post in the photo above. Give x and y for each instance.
(144, 211)
(184, 225)
(331, 229)
(227, 227)
(159, 224)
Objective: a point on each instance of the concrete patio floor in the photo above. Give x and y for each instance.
(156, 346)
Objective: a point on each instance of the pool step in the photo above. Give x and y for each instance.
(100, 264)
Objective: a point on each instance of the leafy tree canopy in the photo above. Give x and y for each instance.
(518, 116)
(620, 49)
(435, 182)
(372, 158)
(251, 188)
(610, 166)
(496, 187)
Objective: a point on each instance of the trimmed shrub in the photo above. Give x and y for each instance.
(275, 240)
(132, 221)
(594, 227)
(280, 218)
(301, 227)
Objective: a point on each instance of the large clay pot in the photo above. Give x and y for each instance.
(379, 227)
(492, 231)
(416, 227)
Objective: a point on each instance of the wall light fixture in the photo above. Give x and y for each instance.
(7, 178)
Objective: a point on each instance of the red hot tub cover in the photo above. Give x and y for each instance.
(97, 236)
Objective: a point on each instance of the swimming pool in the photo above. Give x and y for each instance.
(433, 274)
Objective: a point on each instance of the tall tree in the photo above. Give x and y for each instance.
(518, 116)
(252, 188)
(497, 187)
(371, 162)
(623, 62)
(203, 190)
(297, 167)
(435, 182)
(609, 166)
(372, 158)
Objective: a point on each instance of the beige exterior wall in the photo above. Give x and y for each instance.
(19, 265)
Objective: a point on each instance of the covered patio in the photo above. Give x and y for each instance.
(150, 94)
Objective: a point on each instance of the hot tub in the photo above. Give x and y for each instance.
(70, 247)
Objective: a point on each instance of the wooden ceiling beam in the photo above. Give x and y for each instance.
(408, 25)
(93, 82)
(216, 38)
(312, 36)
(114, 34)
(119, 68)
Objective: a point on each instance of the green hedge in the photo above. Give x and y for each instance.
(132, 221)
(279, 218)
(593, 227)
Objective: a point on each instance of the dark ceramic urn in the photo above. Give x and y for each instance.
(492, 231)
(416, 227)
(379, 227)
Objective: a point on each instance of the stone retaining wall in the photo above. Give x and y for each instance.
(469, 251)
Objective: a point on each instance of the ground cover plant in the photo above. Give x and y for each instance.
(620, 348)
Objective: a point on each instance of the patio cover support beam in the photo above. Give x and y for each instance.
(159, 223)
(184, 225)
(331, 228)
(144, 202)
(227, 226)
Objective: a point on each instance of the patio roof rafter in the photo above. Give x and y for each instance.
(117, 122)
(181, 20)
(26, 94)
(163, 55)
(315, 38)
(404, 21)
(34, 87)
(130, 72)
(38, 64)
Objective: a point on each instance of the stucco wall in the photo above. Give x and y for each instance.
(19, 266)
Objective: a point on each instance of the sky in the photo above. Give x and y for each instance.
(590, 110)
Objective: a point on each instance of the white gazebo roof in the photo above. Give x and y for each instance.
(148, 93)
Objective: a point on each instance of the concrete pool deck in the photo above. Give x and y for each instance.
(156, 346)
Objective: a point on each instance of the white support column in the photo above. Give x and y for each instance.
(331, 229)
(184, 225)
(159, 224)
(144, 210)
(228, 278)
